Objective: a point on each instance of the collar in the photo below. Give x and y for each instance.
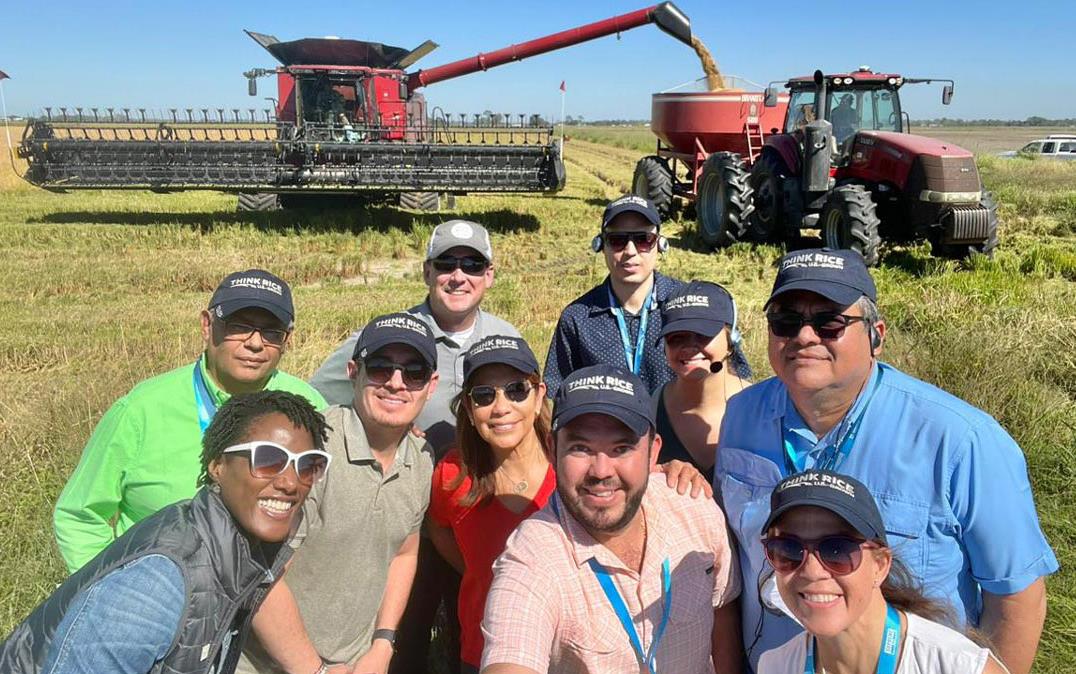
(357, 446)
(662, 288)
(425, 312)
(219, 395)
(794, 422)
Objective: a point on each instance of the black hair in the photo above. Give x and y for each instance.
(233, 421)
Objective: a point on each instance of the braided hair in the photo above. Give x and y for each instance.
(233, 421)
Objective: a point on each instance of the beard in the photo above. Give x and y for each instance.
(601, 520)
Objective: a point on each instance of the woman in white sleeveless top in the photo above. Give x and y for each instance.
(837, 576)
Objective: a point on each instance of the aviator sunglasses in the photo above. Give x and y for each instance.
(643, 241)
(840, 555)
(516, 391)
(826, 324)
(416, 374)
(472, 266)
(268, 459)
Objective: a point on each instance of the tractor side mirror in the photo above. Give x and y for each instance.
(252, 86)
(947, 94)
(770, 101)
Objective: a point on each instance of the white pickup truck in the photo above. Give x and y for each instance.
(1054, 146)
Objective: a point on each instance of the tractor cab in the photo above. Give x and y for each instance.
(857, 101)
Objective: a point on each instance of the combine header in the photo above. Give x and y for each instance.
(348, 120)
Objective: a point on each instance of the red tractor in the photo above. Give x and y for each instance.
(847, 167)
(348, 120)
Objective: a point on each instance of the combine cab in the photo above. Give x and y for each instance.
(347, 121)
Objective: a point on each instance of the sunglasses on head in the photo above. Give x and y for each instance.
(416, 373)
(268, 459)
(471, 265)
(240, 331)
(826, 324)
(516, 391)
(840, 555)
(643, 241)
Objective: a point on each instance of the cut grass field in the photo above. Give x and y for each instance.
(99, 290)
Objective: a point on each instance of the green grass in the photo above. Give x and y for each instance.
(101, 289)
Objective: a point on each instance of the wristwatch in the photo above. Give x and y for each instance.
(386, 634)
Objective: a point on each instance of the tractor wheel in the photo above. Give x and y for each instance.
(723, 205)
(849, 221)
(768, 176)
(421, 201)
(258, 201)
(959, 251)
(654, 181)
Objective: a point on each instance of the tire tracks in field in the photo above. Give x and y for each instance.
(610, 166)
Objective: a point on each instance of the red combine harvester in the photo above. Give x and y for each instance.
(348, 121)
(853, 171)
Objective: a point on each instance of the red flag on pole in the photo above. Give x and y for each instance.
(5, 76)
(562, 87)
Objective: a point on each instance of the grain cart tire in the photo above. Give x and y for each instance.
(420, 201)
(768, 176)
(960, 251)
(653, 180)
(849, 221)
(258, 201)
(724, 203)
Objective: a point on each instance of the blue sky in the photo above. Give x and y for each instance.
(1009, 60)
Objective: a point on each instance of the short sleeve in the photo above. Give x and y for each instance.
(444, 504)
(521, 614)
(331, 380)
(990, 495)
(558, 361)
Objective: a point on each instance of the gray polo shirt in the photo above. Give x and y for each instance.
(436, 419)
(354, 522)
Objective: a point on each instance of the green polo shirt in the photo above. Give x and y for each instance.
(144, 454)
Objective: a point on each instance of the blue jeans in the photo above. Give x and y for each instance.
(123, 623)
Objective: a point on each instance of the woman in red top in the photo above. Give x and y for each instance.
(498, 475)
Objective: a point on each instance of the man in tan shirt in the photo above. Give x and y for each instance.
(616, 573)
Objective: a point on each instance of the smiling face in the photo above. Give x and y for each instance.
(455, 296)
(807, 363)
(505, 423)
(241, 363)
(630, 266)
(690, 355)
(265, 508)
(602, 471)
(825, 603)
(393, 404)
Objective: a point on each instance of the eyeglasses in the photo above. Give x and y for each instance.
(676, 340)
(243, 331)
(268, 459)
(643, 241)
(516, 391)
(826, 324)
(416, 374)
(840, 555)
(472, 266)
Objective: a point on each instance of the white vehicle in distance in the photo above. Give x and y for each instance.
(1054, 146)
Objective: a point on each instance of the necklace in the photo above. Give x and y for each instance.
(518, 486)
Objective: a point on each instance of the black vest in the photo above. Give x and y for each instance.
(225, 579)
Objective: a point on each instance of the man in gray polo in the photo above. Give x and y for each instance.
(458, 271)
(358, 543)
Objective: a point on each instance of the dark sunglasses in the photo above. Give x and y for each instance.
(472, 266)
(268, 459)
(416, 374)
(840, 555)
(516, 391)
(643, 241)
(676, 340)
(244, 331)
(826, 324)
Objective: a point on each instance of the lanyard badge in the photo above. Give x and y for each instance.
(887, 655)
(202, 398)
(634, 356)
(605, 579)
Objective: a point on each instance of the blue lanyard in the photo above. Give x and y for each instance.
(835, 454)
(646, 657)
(633, 356)
(202, 399)
(887, 656)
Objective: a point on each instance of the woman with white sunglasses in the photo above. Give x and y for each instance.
(860, 607)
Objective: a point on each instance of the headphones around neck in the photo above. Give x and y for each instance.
(597, 244)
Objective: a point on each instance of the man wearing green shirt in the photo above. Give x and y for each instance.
(145, 452)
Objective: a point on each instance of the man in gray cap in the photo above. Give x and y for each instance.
(458, 271)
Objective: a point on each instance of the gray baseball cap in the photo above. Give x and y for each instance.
(453, 233)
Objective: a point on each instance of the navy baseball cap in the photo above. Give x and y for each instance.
(634, 204)
(511, 351)
(701, 307)
(838, 275)
(397, 329)
(608, 390)
(253, 288)
(842, 495)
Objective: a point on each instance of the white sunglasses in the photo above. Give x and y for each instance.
(268, 459)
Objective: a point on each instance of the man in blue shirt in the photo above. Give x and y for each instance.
(619, 321)
(950, 482)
